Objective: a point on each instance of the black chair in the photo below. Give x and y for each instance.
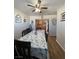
(46, 36)
(22, 50)
(26, 31)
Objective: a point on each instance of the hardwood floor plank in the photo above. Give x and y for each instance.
(55, 51)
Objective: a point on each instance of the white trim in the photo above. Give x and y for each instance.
(60, 45)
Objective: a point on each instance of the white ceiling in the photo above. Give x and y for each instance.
(51, 4)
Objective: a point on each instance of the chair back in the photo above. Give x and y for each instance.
(22, 49)
(26, 31)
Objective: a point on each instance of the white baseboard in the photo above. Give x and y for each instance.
(60, 46)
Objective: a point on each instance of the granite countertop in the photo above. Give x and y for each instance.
(38, 43)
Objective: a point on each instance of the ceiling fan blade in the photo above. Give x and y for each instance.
(31, 5)
(44, 7)
(39, 1)
(33, 10)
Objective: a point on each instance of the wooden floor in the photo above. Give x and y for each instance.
(55, 51)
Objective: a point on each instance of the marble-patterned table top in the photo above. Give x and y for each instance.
(38, 43)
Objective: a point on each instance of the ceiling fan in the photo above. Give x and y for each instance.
(37, 7)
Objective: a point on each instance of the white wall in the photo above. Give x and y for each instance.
(19, 27)
(52, 28)
(61, 28)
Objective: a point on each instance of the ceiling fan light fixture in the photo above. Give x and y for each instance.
(37, 10)
(38, 7)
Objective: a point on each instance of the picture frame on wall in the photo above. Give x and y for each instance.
(54, 21)
(25, 20)
(63, 16)
(18, 19)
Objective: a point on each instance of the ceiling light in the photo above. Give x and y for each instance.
(37, 10)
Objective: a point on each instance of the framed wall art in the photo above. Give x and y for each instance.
(54, 21)
(18, 19)
(63, 16)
